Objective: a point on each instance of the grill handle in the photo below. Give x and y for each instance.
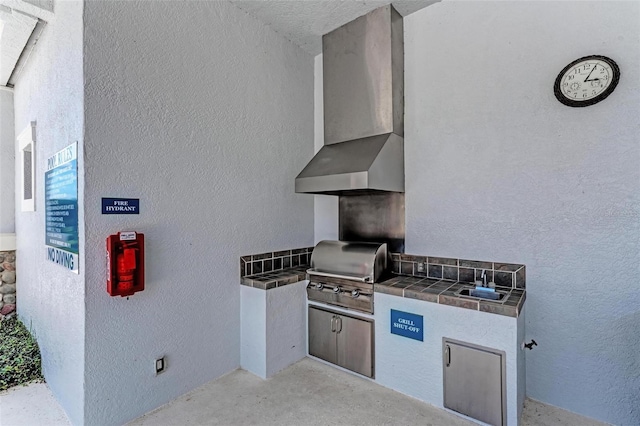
(366, 279)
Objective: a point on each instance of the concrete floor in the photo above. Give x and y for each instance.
(31, 405)
(307, 393)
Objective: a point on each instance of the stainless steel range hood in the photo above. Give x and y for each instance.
(363, 76)
(373, 164)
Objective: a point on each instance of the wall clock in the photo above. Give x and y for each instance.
(586, 81)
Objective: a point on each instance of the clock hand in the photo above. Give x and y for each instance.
(594, 68)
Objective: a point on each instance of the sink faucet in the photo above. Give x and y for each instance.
(484, 278)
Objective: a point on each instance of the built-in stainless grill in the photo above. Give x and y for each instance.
(343, 273)
(363, 163)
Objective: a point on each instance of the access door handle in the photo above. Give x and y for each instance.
(447, 355)
(338, 324)
(333, 323)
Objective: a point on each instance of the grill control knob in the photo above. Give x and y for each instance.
(319, 286)
(336, 289)
(355, 293)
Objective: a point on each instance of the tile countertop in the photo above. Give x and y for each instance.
(273, 279)
(411, 287)
(443, 292)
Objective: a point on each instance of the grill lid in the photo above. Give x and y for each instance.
(360, 261)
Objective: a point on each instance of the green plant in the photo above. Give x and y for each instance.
(19, 354)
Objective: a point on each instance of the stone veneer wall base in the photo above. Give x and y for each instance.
(7, 284)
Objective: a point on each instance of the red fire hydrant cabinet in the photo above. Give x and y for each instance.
(125, 263)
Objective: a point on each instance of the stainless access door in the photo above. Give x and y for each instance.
(474, 381)
(322, 334)
(355, 344)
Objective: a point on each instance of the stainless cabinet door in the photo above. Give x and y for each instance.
(322, 335)
(355, 345)
(473, 382)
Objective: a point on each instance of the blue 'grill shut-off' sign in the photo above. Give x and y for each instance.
(120, 206)
(407, 325)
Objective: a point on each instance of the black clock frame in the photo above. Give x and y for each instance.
(578, 104)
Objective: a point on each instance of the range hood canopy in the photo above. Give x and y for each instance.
(369, 164)
(363, 83)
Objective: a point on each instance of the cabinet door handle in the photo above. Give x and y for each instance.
(333, 324)
(339, 324)
(447, 355)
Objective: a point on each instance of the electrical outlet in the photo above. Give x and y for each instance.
(160, 365)
(420, 266)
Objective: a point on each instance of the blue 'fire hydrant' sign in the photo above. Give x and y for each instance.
(120, 206)
(407, 325)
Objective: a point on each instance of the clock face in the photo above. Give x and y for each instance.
(586, 81)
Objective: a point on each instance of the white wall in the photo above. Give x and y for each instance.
(522, 360)
(414, 367)
(286, 326)
(7, 162)
(498, 169)
(50, 298)
(274, 328)
(253, 336)
(206, 115)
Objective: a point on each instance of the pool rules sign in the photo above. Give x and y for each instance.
(61, 208)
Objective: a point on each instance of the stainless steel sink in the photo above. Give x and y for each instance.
(493, 296)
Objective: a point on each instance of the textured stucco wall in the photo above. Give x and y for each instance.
(7, 162)
(253, 330)
(497, 168)
(273, 328)
(206, 115)
(415, 368)
(49, 91)
(522, 360)
(286, 326)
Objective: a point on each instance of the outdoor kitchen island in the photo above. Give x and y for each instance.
(273, 333)
(426, 332)
(420, 321)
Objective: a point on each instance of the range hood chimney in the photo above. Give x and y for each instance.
(363, 74)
